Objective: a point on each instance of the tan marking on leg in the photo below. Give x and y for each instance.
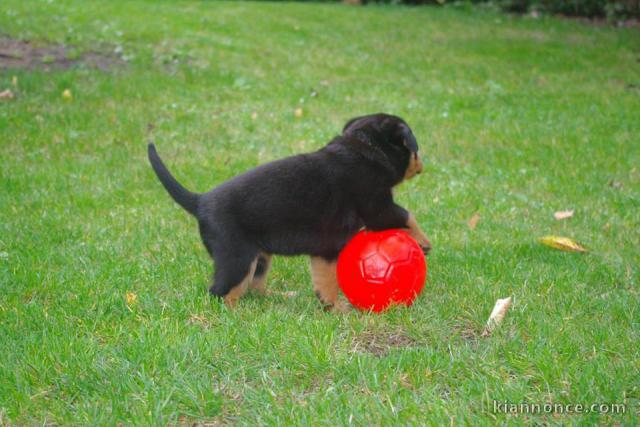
(416, 232)
(231, 299)
(258, 284)
(325, 284)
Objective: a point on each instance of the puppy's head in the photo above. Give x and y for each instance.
(393, 136)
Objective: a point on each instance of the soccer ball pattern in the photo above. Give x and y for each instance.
(379, 269)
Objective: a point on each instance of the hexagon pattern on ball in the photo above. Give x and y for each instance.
(380, 269)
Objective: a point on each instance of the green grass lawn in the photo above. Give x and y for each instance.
(516, 118)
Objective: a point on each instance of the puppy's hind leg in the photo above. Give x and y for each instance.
(325, 284)
(233, 274)
(258, 284)
(234, 260)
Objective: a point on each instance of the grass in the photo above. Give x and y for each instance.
(517, 118)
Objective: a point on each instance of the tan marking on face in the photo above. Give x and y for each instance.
(325, 284)
(415, 166)
(416, 232)
(231, 299)
(258, 284)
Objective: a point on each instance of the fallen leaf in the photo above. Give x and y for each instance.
(66, 94)
(254, 115)
(405, 382)
(473, 222)
(298, 112)
(131, 298)
(6, 94)
(497, 315)
(198, 319)
(14, 81)
(562, 243)
(563, 214)
(615, 184)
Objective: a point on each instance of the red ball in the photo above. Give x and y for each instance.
(377, 269)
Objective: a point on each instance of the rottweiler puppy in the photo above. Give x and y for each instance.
(308, 204)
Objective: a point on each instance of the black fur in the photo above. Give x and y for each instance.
(184, 197)
(305, 204)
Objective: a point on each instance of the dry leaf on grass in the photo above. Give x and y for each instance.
(131, 298)
(298, 112)
(562, 243)
(198, 319)
(615, 184)
(563, 214)
(497, 314)
(473, 222)
(6, 94)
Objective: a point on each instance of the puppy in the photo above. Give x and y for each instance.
(308, 204)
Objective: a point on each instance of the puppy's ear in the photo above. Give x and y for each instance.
(351, 122)
(408, 140)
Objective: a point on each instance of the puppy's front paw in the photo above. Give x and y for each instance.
(425, 245)
(340, 307)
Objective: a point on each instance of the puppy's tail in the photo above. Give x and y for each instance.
(184, 197)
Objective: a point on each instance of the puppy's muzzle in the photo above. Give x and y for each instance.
(419, 164)
(415, 166)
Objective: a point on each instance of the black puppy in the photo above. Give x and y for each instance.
(309, 204)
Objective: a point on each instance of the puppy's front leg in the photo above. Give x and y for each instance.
(260, 276)
(234, 294)
(325, 284)
(416, 232)
(383, 214)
